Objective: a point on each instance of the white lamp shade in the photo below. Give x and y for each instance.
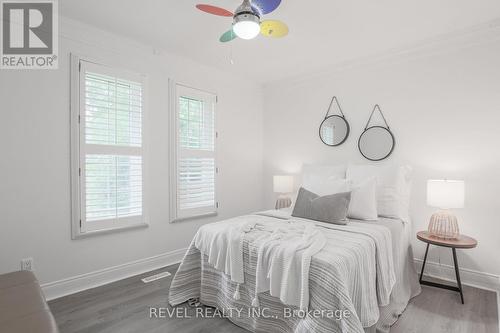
(246, 29)
(283, 184)
(446, 194)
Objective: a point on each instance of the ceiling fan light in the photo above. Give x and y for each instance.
(246, 29)
(246, 26)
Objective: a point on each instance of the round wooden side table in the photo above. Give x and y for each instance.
(462, 242)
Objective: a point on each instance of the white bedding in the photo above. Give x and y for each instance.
(285, 248)
(364, 268)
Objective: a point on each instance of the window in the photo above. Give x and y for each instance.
(193, 180)
(107, 149)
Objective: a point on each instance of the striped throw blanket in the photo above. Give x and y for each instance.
(353, 274)
(284, 254)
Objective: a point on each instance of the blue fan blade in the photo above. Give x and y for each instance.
(265, 6)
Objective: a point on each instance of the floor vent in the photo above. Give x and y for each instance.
(155, 277)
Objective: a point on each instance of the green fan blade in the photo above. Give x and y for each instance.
(228, 36)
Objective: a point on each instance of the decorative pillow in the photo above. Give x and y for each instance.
(329, 208)
(393, 187)
(363, 205)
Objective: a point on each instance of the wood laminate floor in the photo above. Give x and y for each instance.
(124, 306)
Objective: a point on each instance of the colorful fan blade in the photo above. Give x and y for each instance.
(265, 6)
(273, 28)
(227, 36)
(214, 10)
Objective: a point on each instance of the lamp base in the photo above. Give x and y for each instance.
(444, 224)
(283, 202)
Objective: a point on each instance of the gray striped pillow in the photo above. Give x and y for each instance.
(329, 208)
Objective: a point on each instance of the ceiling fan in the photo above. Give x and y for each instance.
(247, 22)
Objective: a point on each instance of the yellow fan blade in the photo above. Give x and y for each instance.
(273, 28)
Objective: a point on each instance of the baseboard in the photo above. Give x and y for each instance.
(56, 289)
(468, 277)
(498, 309)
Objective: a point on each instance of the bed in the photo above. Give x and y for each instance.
(334, 283)
(360, 281)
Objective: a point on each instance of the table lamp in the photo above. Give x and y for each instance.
(283, 185)
(445, 195)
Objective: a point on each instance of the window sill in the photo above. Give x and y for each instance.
(80, 235)
(193, 217)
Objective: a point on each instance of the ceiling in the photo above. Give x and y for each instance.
(322, 32)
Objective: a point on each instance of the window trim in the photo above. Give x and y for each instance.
(75, 106)
(173, 149)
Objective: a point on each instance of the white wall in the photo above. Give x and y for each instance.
(35, 157)
(442, 101)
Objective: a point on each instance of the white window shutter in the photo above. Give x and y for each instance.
(196, 169)
(111, 154)
(113, 111)
(196, 183)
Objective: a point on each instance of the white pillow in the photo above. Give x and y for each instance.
(363, 205)
(393, 187)
(328, 186)
(313, 174)
(323, 179)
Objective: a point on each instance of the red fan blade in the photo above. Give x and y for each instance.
(214, 10)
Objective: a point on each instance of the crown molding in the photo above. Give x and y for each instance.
(474, 36)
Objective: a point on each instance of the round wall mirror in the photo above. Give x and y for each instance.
(376, 143)
(334, 130)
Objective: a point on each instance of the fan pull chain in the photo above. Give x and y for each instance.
(231, 60)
